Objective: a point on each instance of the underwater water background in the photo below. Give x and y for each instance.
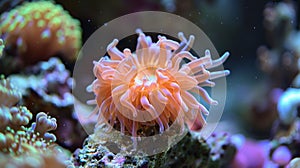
(234, 26)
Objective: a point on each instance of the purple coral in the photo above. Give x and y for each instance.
(282, 155)
(56, 83)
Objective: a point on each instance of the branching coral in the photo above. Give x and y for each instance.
(8, 94)
(150, 86)
(48, 84)
(38, 30)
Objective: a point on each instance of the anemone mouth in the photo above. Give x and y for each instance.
(136, 88)
(146, 76)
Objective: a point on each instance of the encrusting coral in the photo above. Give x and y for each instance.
(150, 88)
(35, 31)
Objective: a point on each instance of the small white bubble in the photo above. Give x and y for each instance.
(105, 24)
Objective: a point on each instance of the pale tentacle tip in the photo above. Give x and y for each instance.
(112, 44)
(226, 72)
(207, 52)
(89, 88)
(181, 37)
(214, 102)
(192, 37)
(91, 102)
(139, 31)
(226, 54)
(180, 34)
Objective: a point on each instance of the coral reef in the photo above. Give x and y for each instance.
(217, 151)
(30, 146)
(50, 81)
(23, 146)
(150, 88)
(278, 61)
(49, 85)
(35, 31)
(286, 146)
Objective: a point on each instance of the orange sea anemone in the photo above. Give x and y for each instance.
(35, 31)
(151, 87)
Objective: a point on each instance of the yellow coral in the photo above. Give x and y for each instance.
(39, 30)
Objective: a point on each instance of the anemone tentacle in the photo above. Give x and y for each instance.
(151, 86)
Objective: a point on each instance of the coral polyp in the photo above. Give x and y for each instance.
(151, 87)
(35, 31)
(8, 94)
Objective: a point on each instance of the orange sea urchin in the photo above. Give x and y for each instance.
(150, 86)
(35, 31)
